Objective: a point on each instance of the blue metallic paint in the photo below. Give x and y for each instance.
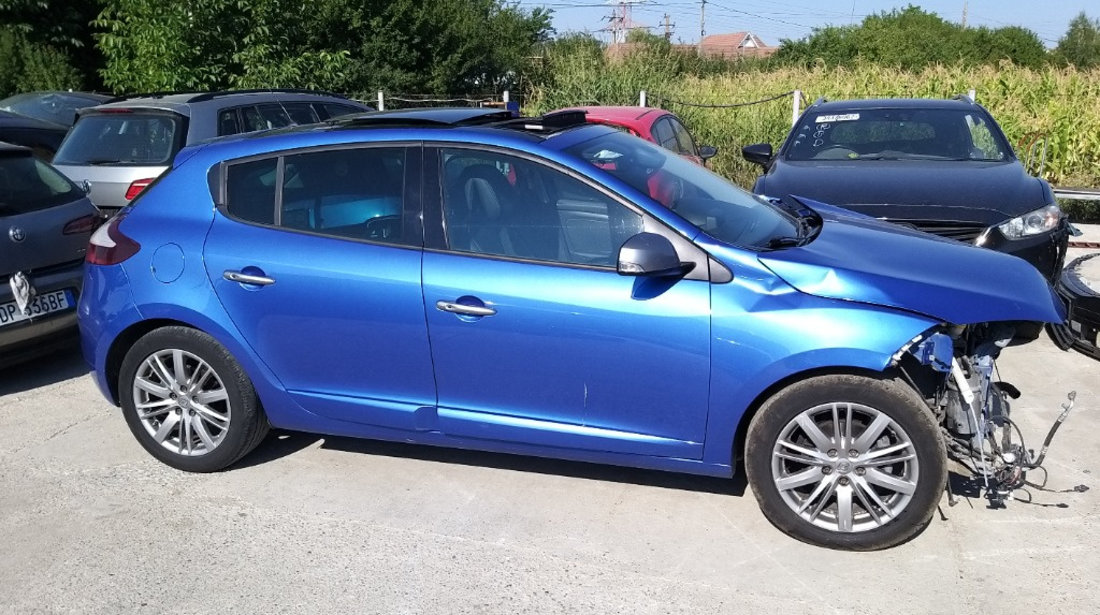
(577, 367)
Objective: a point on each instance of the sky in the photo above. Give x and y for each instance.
(773, 20)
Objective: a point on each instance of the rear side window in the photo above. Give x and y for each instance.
(353, 193)
(28, 184)
(123, 139)
(331, 110)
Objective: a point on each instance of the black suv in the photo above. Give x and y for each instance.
(941, 166)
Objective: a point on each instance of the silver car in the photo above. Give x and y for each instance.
(118, 148)
(45, 223)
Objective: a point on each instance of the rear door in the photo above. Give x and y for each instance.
(316, 257)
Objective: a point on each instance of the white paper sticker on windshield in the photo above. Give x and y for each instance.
(847, 117)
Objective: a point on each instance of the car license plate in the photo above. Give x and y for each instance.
(47, 303)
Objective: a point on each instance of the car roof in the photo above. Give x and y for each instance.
(182, 102)
(95, 97)
(618, 113)
(892, 103)
(453, 116)
(10, 119)
(10, 149)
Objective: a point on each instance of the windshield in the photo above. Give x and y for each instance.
(123, 138)
(27, 184)
(898, 134)
(711, 203)
(51, 107)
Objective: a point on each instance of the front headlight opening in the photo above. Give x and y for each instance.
(1042, 220)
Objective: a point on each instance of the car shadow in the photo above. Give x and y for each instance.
(63, 364)
(283, 443)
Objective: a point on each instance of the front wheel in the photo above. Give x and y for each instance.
(847, 462)
(188, 402)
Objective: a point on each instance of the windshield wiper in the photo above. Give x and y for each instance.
(785, 242)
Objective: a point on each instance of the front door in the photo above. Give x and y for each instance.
(536, 338)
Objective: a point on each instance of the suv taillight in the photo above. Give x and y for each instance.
(109, 246)
(137, 186)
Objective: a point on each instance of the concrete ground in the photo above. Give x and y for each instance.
(89, 523)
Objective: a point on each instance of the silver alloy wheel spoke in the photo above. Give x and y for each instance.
(845, 467)
(181, 402)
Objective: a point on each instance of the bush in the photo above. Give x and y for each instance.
(27, 66)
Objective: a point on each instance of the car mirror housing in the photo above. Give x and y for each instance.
(650, 255)
(706, 152)
(759, 153)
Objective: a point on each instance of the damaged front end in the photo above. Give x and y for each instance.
(955, 369)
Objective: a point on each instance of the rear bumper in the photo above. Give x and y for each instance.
(1083, 306)
(44, 334)
(106, 309)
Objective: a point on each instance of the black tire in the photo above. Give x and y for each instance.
(226, 441)
(859, 475)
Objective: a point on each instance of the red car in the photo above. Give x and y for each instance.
(652, 124)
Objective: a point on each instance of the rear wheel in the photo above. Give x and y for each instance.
(847, 462)
(188, 402)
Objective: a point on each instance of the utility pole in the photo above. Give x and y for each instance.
(702, 21)
(964, 14)
(668, 28)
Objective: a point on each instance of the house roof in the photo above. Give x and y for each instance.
(735, 44)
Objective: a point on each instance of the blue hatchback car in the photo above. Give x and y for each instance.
(462, 278)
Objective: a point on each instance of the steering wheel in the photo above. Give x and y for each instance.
(835, 152)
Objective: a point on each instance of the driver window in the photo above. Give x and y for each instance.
(501, 205)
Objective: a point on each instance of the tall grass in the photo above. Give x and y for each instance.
(1060, 104)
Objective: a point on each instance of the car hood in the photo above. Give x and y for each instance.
(857, 258)
(987, 193)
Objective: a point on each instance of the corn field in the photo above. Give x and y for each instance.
(1060, 104)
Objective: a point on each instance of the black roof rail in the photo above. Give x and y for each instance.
(202, 96)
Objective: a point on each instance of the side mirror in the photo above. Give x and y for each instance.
(760, 153)
(706, 152)
(650, 255)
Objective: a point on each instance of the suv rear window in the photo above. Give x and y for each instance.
(27, 184)
(125, 139)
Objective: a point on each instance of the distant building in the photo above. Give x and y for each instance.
(735, 45)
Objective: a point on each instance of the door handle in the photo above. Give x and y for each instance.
(244, 278)
(465, 310)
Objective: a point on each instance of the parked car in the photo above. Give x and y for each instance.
(458, 277)
(941, 166)
(55, 107)
(43, 138)
(652, 124)
(1079, 287)
(117, 149)
(45, 221)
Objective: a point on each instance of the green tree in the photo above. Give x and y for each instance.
(1081, 44)
(48, 45)
(150, 45)
(439, 47)
(911, 39)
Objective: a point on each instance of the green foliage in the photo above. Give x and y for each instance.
(206, 44)
(912, 39)
(60, 35)
(444, 46)
(1081, 44)
(27, 66)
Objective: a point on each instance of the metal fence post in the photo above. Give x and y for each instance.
(381, 101)
(972, 93)
(506, 98)
(797, 107)
(641, 98)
